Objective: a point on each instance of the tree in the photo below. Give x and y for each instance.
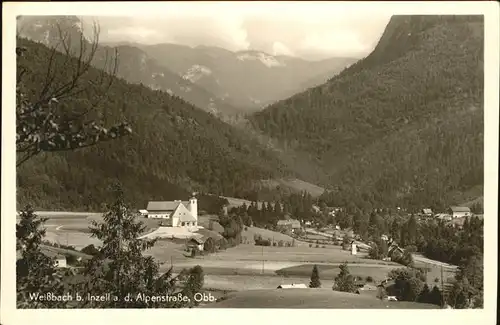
(315, 282)
(120, 269)
(459, 297)
(408, 283)
(381, 292)
(43, 123)
(194, 283)
(424, 296)
(35, 272)
(435, 297)
(344, 281)
(374, 252)
(209, 245)
(90, 250)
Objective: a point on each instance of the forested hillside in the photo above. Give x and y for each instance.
(402, 126)
(174, 147)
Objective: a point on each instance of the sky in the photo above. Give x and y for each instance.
(312, 31)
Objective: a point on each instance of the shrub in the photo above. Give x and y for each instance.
(280, 243)
(369, 279)
(323, 246)
(275, 244)
(310, 245)
(90, 250)
(436, 280)
(317, 246)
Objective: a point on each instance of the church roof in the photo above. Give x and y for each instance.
(165, 205)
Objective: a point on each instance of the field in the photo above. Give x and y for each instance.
(247, 267)
(309, 298)
(249, 233)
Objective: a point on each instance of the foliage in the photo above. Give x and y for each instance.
(467, 290)
(90, 250)
(35, 272)
(344, 281)
(44, 123)
(233, 226)
(409, 283)
(405, 259)
(210, 245)
(120, 269)
(194, 283)
(315, 282)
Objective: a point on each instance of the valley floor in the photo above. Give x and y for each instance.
(250, 267)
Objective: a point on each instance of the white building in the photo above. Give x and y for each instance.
(60, 261)
(178, 213)
(459, 212)
(354, 249)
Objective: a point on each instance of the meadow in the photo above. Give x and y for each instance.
(247, 266)
(309, 298)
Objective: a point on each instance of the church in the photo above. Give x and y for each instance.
(177, 213)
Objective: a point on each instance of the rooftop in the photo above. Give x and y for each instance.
(165, 205)
(460, 209)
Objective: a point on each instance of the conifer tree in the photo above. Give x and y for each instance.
(36, 273)
(120, 269)
(315, 282)
(344, 281)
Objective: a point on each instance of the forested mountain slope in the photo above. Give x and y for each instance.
(175, 147)
(402, 126)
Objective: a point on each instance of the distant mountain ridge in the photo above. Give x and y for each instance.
(249, 79)
(134, 64)
(402, 126)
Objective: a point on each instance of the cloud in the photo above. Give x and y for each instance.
(310, 30)
(281, 49)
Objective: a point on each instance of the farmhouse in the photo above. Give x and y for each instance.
(443, 216)
(459, 212)
(289, 224)
(395, 251)
(196, 242)
(427, 212)
(178, 213)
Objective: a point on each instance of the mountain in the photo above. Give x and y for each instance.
(175, 147)
(402, 126)
(248, 80)
(135, 65)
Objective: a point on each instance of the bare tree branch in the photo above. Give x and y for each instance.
(41, 125)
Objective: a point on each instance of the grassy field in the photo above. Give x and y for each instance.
(245, 261)
(300, 254)
(329, 271)
(249, 233)
(309, 298)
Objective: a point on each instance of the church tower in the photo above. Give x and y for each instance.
(193, 207)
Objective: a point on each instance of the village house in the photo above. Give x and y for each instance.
(443, 216)
(196, 243)
(290, 224)
(177, 213)
(426, 212)
(60, 261)
(394, 251)
(459, 212)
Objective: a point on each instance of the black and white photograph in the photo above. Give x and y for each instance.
(263, 155)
